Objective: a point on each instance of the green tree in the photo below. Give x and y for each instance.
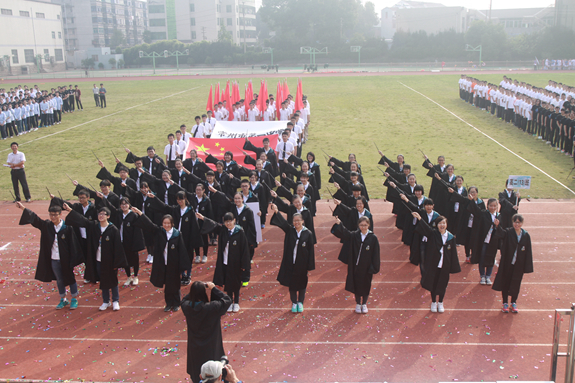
(88, 63)
(112, 62)
(491, 37)
(121, 63)
(117, 39)
(147, 36)
(224, 35)
(100, 66)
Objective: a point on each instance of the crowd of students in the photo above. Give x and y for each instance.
(557, 64)
(546, 113)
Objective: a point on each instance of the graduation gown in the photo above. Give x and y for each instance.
(91, 214)
(231, 167)
(270, 154)
(245, 218)
(414, 249)
(146, 161)
(348, 199)
(204, 330)
(290, 210)
(391, 194)
(523, 262)
(112, 197)
(435, 183)
(120, 190)
(433, 255)
(442, 195)
(350, 216)
(361, 258)
(184, 180)
(112, 251)
(238, 265)
(410, 222)
(163, 274)
(344, 165)
(133, 173)
(197, 168)
(346, 185)
(398, 179)
(455, 223)
(68, 248)
(309, 199)
(294, 274)
(479, 234)
(228, 184)
(506, 209)
(347, 176)
(262, 194)
(467, 235)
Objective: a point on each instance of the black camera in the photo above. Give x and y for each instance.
(224, 360)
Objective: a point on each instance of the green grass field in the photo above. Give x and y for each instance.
(349, 114)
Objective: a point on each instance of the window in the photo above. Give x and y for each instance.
(6, 11)
(157, 22)
(59, 35)
(218, 21)
(218, 8)
(192, 8)
(158, 35)
(58, 17)
(29, 55)
(193, 21)
(53, 34)
(229, 21)
(228, 8)
(193, 35)
(40, 15)
(14, 56)
(58, 55)
(24, 13)
(156, 9)
(95, 58)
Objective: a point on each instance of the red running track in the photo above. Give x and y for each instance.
(399, 340)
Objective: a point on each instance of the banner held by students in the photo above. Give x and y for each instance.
(236, 129)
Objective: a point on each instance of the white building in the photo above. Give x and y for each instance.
(192, 21)
(31, 28)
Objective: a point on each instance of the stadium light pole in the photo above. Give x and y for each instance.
(269, 50)
(478, 48)
(357, 48)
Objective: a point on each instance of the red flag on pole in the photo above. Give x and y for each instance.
(249, 96)
(210, 106)
(262, 98)
(298, 96)
(279, 100)
(229, 105)
(285, 89)
(217, 94)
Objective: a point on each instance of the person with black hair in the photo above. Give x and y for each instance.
(102, 92)
(149, 162)
(508, 205)
(267, 150)
(230, 166)
(203, 320)
(59, 252)
(417, 200)
(485, 244)
(170, 257)
(172, 151)
(261, 193)
(298, 257)
(418, 248)
(195, 165)
(120, 183)
(98, 196)
(105, 251)
(457, 208)
(440, 168)
(469, 228)
(16, 161)
(233, 262)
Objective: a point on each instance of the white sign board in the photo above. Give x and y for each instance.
(239, 129)
(255, 206)
(519, 182)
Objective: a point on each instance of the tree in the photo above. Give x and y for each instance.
(117, 39)
(121, 63)
(224, 35)
(147, 36)
(88, 63)
(491, 37)
(100, 66)
(112, 62)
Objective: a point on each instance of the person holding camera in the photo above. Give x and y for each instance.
(204, 326)
(216, 371)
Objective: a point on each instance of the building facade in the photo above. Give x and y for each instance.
(31, 29)
(191, 21)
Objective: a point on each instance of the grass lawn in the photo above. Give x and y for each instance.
(349, 114)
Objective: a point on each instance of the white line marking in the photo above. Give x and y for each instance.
(5, 246)
(492, 139)
(380, 343)
(100, 118)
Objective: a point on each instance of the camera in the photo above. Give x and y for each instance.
(224, 360)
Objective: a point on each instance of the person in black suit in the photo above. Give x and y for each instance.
(149, 162)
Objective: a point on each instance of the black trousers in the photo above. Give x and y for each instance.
(11, 129)
(20, 175)
(71, 103)
(172, 296)
(97, 99)
(79, 103)
(297, 296)
(58, 116)
(102, 101)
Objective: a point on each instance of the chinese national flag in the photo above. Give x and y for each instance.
(210, 106)
(218, 146)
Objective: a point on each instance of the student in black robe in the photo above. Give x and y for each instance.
(408, 190)
(105, 193)
(296, 206)
(345, 165)
(149, 162)
(360, 252)
(445, 180)
(230, 166)
(392, 168)
(508, 205)
(485, 243)
(132, 237)
(105, 251)
(457, 207)
(440, 167)
(418, 248)
(315, 169)
(440, 259)
(262, 195)
(417, 200)
(469, 226)
(349, 200)
(203, 320)
(267, 150)
(195, 165)
(182, 176)
(306, 177)
(143, 203)
(298, 257)
(187, 224)
(134, 173)
(119, 183)
(350, 216)
(233, 262)
(56, 263)
(354, 167)
(228, 182)
(341, 182)
(516, 260)
(399, 178)
(170, 257)
(164, 187)
(298, 189)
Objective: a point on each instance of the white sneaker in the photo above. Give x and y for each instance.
(128, 281)
(135, 281)
(358, 309)
(231, 308)
(115, 306)
(236, 307)
(482, 281)
(433, 307)
(440, 308)
(204, 259)
(488, 281)
(86, 281)
(104, 306)
(197, 259)
(364, 309)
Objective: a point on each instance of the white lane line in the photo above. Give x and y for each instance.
(100, 118)
(486, 135)
(5, 246)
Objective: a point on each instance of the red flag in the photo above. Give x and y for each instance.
(285, 90)
(279, 100)
(229, 102)
(298, 96)
(218, 146)
(249, 96)
(217, 94)
(262, 98)
(210, 106)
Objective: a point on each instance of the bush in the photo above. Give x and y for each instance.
(100, 66)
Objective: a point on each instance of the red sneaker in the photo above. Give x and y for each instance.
(505, 308)
(514, 308)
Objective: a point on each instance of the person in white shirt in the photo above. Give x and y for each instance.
(16, 161)
(285, 114)
(224, 110)
(252, 112)
(268, 114)
(3, 118)
(171, 151)
(217, 113)
(186, 139)
(58, 108)
(96, 92)
(201, 128)
(198, 129)
(210, 124)
(181, 144)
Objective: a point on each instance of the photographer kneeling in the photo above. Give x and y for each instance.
(214, 371)
(204, 326)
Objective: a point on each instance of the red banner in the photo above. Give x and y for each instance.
(218, 146)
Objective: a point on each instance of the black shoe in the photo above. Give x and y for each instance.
(176, 308)
(167, 308)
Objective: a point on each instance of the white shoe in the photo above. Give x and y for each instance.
(482, 281)
(433, 307)
(231, 308)
(488, 281)
(440, 308)
(364, 309)
(128, 281)
(204, 259)
(115, 306)
(236, 307)
(104, 306)
(197, 259)
(135, 281)
(86, 281)
(358, 309)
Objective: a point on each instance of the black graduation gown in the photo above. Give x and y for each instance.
(347, 176)
(344, 165)
(185, 181)
(178, 258)
(442, 194)
(506, 209)
(91, 214)
(189, 228)
(455, 223)
(197, 168)
(120, 190)
(348, 199)
(231, 167)
(133, 173)
(467, 235)
(112, 251)
(409, 225)
(414, 249)
(238, 267)
(433, 255)
(270, 154)
(160, 188)
(523, 263)
(68, 248)
(350, 216)
(112, 197)
(290, 210)
(478, 236)
(145, 206)
(204, 330)
(228, 184)
(361, 258)
(398, 179)
(156, 169)
(294, 275)
(435, 183)
(313, 178)
(262, 195)
(346, 185)
(309, 199)
(391, 194)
